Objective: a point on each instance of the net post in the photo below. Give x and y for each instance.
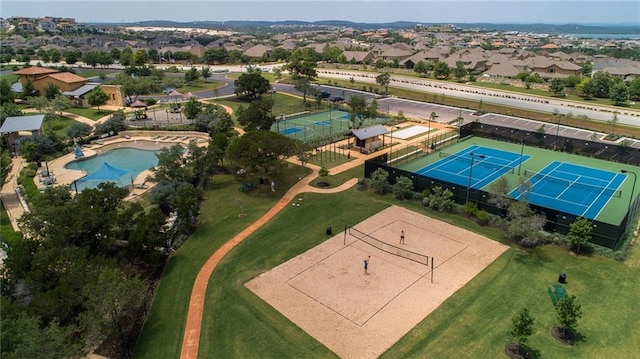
(431, 270)
(344, 239)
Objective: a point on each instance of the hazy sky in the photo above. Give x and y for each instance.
(424, 11)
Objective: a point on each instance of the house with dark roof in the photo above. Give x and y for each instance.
(258, 51)
(369, 138)
(358, 57)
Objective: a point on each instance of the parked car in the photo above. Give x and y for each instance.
(337, 99)
(324, 94)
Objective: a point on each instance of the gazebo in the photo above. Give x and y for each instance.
(368, 138)
(15, 127)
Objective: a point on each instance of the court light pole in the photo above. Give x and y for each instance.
(555, 145)
(521, 152)
(432, 117)
(473, 156)
(633, 189)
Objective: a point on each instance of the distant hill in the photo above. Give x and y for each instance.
(624, 29)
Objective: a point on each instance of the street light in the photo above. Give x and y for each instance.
(473, 156)
(633, 189)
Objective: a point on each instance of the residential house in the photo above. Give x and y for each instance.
(47, 24)
(66, 26)
(358, 57)
(26, 26)
(548, 69)
(502, 70)
(258, 51)
(431, 55)
(4, 24)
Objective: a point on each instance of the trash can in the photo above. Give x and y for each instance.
(329, 230)
(562, 278)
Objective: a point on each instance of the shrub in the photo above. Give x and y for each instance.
(150, 101)
(470, 209)
(425, 201)
(482, 217)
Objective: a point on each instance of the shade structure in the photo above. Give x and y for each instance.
(176, 93)
(106, 173)
(138, 104)
(78, 152)
(189, 95)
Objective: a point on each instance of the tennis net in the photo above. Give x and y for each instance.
(613, 192)
(498, 167)
(386, 247)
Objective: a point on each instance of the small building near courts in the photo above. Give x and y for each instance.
(370, 138)
(16, 127)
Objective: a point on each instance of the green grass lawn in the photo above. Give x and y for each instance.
(59, 125)
(7, 234)
(91, 73)
(90, 113)
(11, 78)
(219, 221)
(329, 159)
(200, 85)
(472, 323)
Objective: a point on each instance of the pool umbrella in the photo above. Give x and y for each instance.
(106, 173)
(189, 95)
(138, 104)
(78, 152)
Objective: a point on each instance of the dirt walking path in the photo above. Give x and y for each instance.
(191, 339)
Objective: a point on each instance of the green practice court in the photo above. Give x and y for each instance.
(316, 126)
(605, 198)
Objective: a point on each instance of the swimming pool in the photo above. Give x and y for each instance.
(133, 160)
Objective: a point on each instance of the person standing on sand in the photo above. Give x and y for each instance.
(402, 236)
(366, 265)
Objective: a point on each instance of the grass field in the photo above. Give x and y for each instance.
(58, 125)
(472, 323)
(90, 113)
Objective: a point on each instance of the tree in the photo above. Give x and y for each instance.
(191, 75)
(205, 72)
(634, 89)
(251, 85)
(378, 181)
(5, 165)
(587, 68)
(580, 233)
(421, 68)
(357, 110)
(556, 86)
(302, 63)
(384, 80)
(6, 95)
(441, 70)
(619, 93)
(134, 87)
(262, 149)
(524, 224)
(303, 85)
(602, 83)
(586, 87)
(459, 71)
(258, 116)
(114, 124)
(613, 122)
(113, 303)
(27, 90)
(192, 108)
(441, 199)
(521, 326)
(402, 187)
(499, 190)
(568, 312)
(79, 129)
(60, 103)
(323, 173)
(97, 97)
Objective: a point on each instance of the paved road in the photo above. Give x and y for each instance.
(601, 113)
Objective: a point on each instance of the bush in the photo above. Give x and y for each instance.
(470, 209)
(150, 101)
(425, 201)
(482, 217)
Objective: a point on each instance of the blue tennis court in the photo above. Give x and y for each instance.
(488, 165)
(578, 190)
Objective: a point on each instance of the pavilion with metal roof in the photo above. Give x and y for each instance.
(368, 138)
(15, 127)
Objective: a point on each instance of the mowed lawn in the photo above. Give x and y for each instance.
(471, 324)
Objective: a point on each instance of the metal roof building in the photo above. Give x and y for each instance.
(22, 123)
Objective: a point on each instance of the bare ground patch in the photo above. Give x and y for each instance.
(326, 292)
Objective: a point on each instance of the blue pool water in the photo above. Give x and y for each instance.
(131, 159)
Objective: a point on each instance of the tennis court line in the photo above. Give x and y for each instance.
(600, 195)
(545, 174)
